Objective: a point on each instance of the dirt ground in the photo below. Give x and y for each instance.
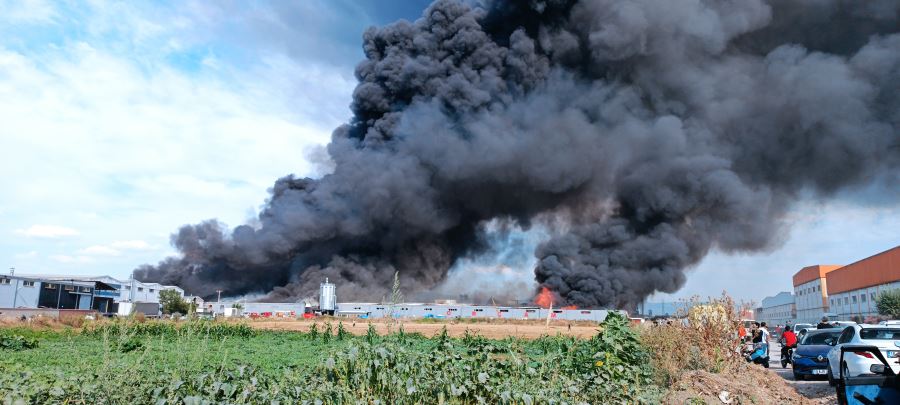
(520, 329)
(816, 390)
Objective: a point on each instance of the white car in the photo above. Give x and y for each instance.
(885, 337)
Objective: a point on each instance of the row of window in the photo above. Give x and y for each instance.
(25, 283)
(809, 290)
(67, 288)
(852, 299)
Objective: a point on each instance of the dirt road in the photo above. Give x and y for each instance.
(523, 329)
(817, 390)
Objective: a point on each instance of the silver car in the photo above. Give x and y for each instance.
(885, 337)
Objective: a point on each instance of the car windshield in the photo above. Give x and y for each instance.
(819, 338)
(880, 334)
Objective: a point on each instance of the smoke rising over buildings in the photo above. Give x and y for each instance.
(641, 133)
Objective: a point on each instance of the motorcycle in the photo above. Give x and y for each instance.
(786, 356)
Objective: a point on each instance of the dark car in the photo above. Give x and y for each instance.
(811, 355)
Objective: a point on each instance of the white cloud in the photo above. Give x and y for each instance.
(71, 259)
(27, 255)
(140, 145)
(99, 250)
(47, 231)
(131, 245)
(27, 11)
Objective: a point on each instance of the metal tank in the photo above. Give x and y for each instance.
(327, 297)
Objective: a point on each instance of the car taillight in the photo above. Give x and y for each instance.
(864, 354)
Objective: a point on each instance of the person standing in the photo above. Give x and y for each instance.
(824, 324)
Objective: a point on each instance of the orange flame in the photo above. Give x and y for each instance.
(544, 299)
(570, 307)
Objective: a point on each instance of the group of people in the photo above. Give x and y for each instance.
(759, 338)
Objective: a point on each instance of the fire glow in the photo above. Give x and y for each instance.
(546, 298)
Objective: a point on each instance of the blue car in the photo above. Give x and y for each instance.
(810, 358)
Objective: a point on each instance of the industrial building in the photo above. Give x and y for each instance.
(32, 292)
(852, 289)
(446, 309)
(811, 293)
(102, 293)
(777, 310)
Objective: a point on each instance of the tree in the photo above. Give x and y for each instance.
(172, 302)
(888, 303)
(396, 295)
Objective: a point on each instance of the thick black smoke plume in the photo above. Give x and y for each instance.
(645, 132)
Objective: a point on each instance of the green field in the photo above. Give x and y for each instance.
(208, 362)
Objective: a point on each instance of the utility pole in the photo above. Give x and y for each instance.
(12, 271)
(219, 300)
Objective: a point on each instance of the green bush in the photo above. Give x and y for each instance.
(17, 342)
(888, 303)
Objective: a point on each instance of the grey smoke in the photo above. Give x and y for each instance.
(644, 133)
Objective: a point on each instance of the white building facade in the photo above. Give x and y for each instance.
(777, 310)
(811, 293)
(19, 292)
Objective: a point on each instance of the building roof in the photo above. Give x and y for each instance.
(810, 273)
(881, 268)
(782, 298)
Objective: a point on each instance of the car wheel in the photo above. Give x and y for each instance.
(830, 377)
(798, 376)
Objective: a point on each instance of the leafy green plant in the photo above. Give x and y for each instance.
(314, 332)
(888, 303)
(17, 342)
(371, 334)
(341, 332)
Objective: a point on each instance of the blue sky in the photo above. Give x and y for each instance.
(120, 121)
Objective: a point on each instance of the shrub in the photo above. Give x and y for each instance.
(888, 303)
(708, 341)
(17, 342)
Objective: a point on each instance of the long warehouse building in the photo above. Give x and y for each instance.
(853, 289)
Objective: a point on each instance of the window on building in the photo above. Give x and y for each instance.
(832, 302)
(85, 289)
(379, 308)
(504, 310)
(50, 286)
(428, 309)
(128, 288)
(152, 290)
(531, 310)
(4, 281)
(69, 288)
(453, 309)
(479, 310)
(846, 300)
(873, 296)
(140, 289)
(854, 299)
(28, 284)
(862, 298)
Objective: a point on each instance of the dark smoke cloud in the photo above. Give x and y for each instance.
(649, 132)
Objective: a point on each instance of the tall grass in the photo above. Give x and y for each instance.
(707, 341)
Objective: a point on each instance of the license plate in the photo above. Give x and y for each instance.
(822, 372)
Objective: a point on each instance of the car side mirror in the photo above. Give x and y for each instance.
(877, 368)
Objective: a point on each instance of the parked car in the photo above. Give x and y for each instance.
(885, 337)
(801, 328)
(843, 324)
(881, 386)
(810, 358)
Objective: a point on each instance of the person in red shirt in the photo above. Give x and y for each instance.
(788, 341)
